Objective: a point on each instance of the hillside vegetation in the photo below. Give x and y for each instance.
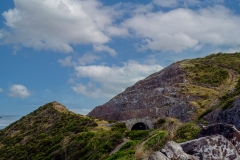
(212, 79)
(56, 133)
(53, 132)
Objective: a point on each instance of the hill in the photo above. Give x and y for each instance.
(185, 90)
(53, 132)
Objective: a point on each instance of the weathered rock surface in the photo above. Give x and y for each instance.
(228, 131)
(158, 156)
(229, 116)
(174, 151)
(214, 147)
(171, 151)
(156, 96)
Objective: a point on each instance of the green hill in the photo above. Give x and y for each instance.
(53, 132)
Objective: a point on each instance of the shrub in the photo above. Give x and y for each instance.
(186, 132)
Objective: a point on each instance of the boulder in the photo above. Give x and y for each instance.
(158, 156)
(214, 147)
(227, 130)
(174, 151)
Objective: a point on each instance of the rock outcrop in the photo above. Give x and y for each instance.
(156, 96)
(230, 115)
(228, 131)
(158, 156)
(214, 147)
(171, 151)
(174, 151)
(214, 142)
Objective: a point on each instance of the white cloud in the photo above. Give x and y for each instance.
(66, 62)
(18, 91)
(108, 81)
(180, 29)
(55, 25)
(104, 48)
(82, 111)
(1, 90)
(58, 25)
(89, 90)
(1, 34)
(87, 58)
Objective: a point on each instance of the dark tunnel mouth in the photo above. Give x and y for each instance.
(140, 126)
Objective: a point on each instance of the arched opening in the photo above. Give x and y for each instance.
(140, 126)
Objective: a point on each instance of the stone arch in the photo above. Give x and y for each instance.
(140, 126)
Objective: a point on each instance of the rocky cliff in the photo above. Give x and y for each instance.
(184, 90)
(157, 95)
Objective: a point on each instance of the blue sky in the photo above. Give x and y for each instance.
(83, 52)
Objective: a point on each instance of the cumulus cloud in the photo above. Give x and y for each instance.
(55, 24)
(104, 48)
(66, 62)
(108, 81)
(1, 90)
(183, 28)
(18, 91)
(58, 25)
(87, 58)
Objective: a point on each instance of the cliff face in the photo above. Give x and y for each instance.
(184, 90)
(156, 96)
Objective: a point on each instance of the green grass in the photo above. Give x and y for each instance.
(156, 141)
(212, 70)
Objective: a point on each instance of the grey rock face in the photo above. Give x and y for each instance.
(156, 96)
(211, 148)
(158, 156)
(174, 151)
(171, 151)
(231, 115)
(228, 131)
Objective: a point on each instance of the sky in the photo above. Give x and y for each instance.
(82, 53)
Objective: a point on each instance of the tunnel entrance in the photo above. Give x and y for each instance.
(140, 126)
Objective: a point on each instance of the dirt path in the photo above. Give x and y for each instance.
(224, 88)
(125, 140)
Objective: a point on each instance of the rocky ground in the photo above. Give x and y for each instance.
(215, 142)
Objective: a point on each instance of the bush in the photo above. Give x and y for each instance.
(186, 132)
